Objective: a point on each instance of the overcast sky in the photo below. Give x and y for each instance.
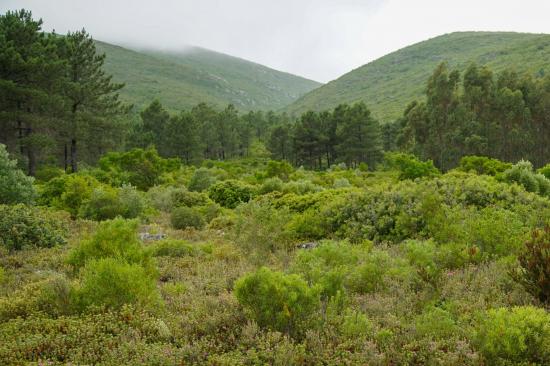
(318, 39)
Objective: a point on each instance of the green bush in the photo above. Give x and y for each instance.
(179, 248)
(112, 283)
(201, 180)
(113, 239)
(68, 192)
(522, 173)
(46, 173)
(545, 170)
(534, 262)
(186, 217)
(183, 197)
(279, 169)
(410, 167)
(437, 323)
(230, 193)
(15, 186)
(30, 227)
(277, 301)
(103, 204)
(301, 187)
(142, 169)
(271, 185)
(483, 165)
(520, 335)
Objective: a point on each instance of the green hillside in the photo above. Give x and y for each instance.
(389, 83)
(181, 80)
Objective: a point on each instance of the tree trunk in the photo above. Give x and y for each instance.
(74, 164)
(31, 156)
(66, 158)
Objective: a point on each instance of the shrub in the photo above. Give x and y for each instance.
(131, 202)
(424, 256)
(410, 167)
(201, 180)
(113, 239)
(186, 217)
(178, 248)
(520, 335)
(301, 187)
(183, 197)
(277, 301)
(279, 169)
(522, 173)
(23, 226)
(15, 186)
(68, 192)
(103, 204)
(230, 193)
(140, 168)
(483, 165)
(545, 170)
(271, 185)
(341, 183)
(47, 173)
(534, 261)
(112, 283)
(436, 323)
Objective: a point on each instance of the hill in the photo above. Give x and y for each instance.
(389, 83)
(183, 79)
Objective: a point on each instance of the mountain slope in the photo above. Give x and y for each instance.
(388, 84)
(182, 80)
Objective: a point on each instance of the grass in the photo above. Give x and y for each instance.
(184, 79)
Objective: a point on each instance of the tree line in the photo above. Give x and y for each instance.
(504, 116)
(58, 107)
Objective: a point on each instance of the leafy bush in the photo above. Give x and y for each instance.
(106, 203)
(277, 301)
(179, 248)
(271, 185)
(545, 170)
(279, 169)
(47, 173)
(301, 187)
(186, 217)
(230, 193)
(483, 165)
(410, 167)
(23, 226)
(201, 180)
(68, 192)
(113, 282)
(183, 197)
(520, 335)
(15, 186)
(436, 323)
(113, 239)
(522, 173)
(140, 168)
(534, 261)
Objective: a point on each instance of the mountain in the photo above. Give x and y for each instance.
(183, 79)
(389, 83)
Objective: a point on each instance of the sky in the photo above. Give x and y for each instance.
(317, 39)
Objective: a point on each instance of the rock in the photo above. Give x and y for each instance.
(308, 245)
(151, 237)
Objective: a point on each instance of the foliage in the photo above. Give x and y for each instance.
(483, 165)
(277, 301)
(534, 262)
(545, 170)
(230, 193)
(410, 167)
(279, 169)
(523, 174)
(186, 217)
(30, 227)
(112, 283)
(15, 186)
(201, 180)
(517, 335)
(140, 168)
(113, 239)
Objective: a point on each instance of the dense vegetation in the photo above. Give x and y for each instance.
(195, 75)
(392, 81)
(210, 236)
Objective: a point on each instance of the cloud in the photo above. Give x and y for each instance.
(319, 39)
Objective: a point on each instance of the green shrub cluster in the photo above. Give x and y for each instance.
(186, 217)
(24, 226)
(281, 302)
(230, 193)
(15, 186)
(483, 165)
(409, 167)
(523, 174)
